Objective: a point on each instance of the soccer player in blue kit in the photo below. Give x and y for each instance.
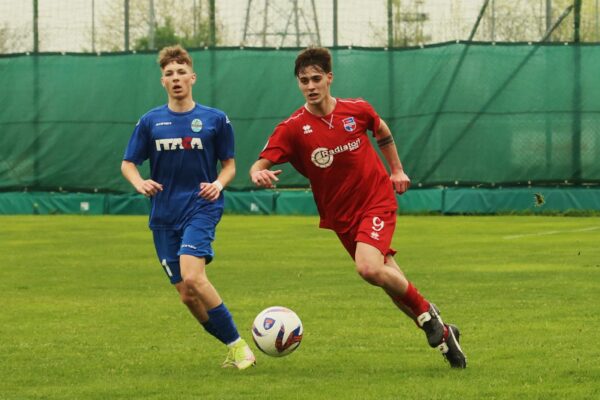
(183, 141)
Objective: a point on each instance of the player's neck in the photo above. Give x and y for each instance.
(181, 105)
(325, 107)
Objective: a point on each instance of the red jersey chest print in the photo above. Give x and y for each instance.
(334, 152)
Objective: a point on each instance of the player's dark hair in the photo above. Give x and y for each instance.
(174, 53)
(318, 57)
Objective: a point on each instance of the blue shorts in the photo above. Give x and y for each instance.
(194, 239)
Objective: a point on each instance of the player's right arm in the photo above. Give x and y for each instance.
(276, 151)
(261, 173)
(147, 187)
(135, 154)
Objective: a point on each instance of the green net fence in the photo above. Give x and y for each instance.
(462, 114)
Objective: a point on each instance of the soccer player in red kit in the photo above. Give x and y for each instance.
(326, 141)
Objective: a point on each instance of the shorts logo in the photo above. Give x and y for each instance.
(196, 125)
(349, 124)
(322, 157)
(378, 225)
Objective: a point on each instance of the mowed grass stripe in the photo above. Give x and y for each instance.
(87, 312)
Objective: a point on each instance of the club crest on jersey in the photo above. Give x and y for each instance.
(349, 124)
(196, 125)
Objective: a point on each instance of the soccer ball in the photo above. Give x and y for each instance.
(277, 331)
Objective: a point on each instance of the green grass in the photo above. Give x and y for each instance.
(87, 313)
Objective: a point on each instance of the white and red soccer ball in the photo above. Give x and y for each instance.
(277, 331)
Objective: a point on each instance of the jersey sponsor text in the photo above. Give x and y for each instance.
(323, 157)
(186, 143)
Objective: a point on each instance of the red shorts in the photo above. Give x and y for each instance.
(375, 228)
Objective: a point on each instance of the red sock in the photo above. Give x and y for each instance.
(413, 300)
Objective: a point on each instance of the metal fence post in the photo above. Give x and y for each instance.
(213, 29)
(335, 23)
(126, 27)
(390, 25)
(36, 36)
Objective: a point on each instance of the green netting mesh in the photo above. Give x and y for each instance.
(460, 113)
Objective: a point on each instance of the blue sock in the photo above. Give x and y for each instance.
(222, 324)
(210, 328)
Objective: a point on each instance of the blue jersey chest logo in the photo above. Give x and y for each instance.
(196, 125)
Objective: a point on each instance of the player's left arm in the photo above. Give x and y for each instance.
(212, 191)
(386, 144)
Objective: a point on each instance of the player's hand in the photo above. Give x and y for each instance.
(265, 178)
(401, 181)
(149, 188)
(209, 191)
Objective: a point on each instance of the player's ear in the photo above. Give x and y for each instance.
(329, 77)
(194, 77)
(162, 81)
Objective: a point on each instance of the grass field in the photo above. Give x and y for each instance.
(87, 313)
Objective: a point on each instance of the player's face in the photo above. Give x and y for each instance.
(314, 84)
(177, 80)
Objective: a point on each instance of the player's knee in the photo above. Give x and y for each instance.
(188, 299)
(186, 295)
(195, 283)
(191, 284)
(369, 272)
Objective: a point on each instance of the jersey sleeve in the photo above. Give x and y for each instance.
(278, 149)
(372, 118)
(225, 144)
(137, 150)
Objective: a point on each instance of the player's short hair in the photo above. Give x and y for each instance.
(318, 57)
(174, 53)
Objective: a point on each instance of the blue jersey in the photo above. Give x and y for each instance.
(183, 149)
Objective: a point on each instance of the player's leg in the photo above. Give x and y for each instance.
(348, 240)
(194, 255)
(389, 262)
(370, 265)
(374, 268)
(373, 237)
(375, 263)
(167, 244)
(195, 281)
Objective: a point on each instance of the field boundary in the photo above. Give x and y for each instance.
(447, 201)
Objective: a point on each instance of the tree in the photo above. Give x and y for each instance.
(163, 36)
(166, 35)
(195, 32)
(408, 21)
(4, 39)
(11, 41)
(510, 21)
(589, 19)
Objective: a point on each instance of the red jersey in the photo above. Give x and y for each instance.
(347, 176)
